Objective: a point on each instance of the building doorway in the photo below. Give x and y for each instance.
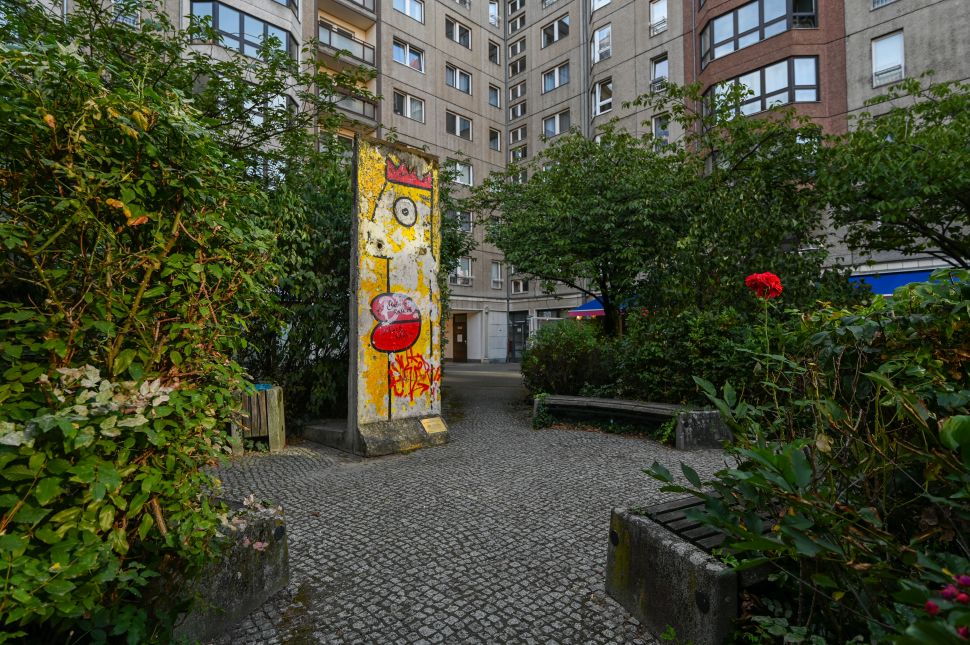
(459, 340)
(518, 334)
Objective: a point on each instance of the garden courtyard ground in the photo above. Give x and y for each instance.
(498, 537)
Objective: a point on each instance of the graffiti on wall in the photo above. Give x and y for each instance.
(398, 304)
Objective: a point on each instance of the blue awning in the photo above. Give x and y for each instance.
(592, 309)
(885, 283)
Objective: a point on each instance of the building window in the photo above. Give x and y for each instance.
(516, 23)
(518, 153)
(406, 54)
(753, 22)
(458, 125)
(517, 111)
(518, 134)
(517, 66)
(603, 97)
(493, 53)
(463, 172)
(602, 43)
(794, 80)
(658, 17)
(659, 69)
(497, 281)
(881, 3)
(520, 286)
(493, 14)
(599, 4)
(494, 139)
(130, 19)
(520, 178)
(555, 30)
(465, 222)
(408, 106)
(517, 47)
(458, 32)
(661, 129)
(413, 8)
(556, 124)
(555, 77)
(458, 79)
(517, 91)
(888, 59)
(494, 96)
(241, 32)
(515, 6)
(462, 275)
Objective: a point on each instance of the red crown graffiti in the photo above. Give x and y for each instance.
(403, 175)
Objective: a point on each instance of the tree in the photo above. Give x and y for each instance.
(593, 215)
(900, 180)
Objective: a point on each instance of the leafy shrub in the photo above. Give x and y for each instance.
(852, 481)
(130, 245)
(659, 352)
(565, 358)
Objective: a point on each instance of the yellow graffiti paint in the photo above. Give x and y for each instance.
(397, 300)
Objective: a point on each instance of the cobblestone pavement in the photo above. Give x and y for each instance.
(498, 537)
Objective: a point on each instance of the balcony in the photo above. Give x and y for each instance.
(351, 50)
(358, 111)
(359, 13)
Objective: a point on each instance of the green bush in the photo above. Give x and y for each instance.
(131, 266)
(853, 473)
(659, 352)
(566, 358)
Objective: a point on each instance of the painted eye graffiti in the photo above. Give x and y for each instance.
(405, 211)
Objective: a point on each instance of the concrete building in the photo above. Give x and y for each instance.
(482, 82)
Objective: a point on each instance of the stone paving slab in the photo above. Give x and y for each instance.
(498, 537)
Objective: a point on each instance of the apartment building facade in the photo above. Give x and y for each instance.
(480, 83)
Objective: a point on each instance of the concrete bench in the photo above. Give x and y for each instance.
(695, 428)
(660, 569)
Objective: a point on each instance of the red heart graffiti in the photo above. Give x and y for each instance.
(398, 322)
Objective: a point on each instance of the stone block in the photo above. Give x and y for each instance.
(253, 567)
(700, 429)
(664, 581)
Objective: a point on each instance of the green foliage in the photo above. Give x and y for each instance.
(853, 470)
(658, 353)
(133, 262)
(566, 357)
(898, 180)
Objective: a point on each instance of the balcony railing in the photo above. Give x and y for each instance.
(358, 49)
(881, 3)
(658, 27)
(888, 75)
(356, 106)
(658, 85)
(467, 4)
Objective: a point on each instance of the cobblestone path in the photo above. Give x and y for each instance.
(498, 537)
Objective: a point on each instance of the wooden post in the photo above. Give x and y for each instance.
(276, 425)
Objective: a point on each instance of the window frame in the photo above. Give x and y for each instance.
(660, 25)
(456, 75)
(457, 119)
(497, 49)
(408, 98)
(557, 32)
(517, 91)
(408, 49)
(889, 73)
(497, 139)
(558, 120)
(456, 29)
(518, 153)
(597, 52)
(288, 43)
(514, 6)
(516, 23)
(519, 64)
(459, 167)
(597, 4)
(519, 46)
(408, 3)
(557, 75)
(517, 110)
(501, 275)
(791, 89)
(496, 91)
(789, 19)
(519, 134)
(597, 95)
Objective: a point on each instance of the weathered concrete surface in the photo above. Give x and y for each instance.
(497, 537)
(254, 567)
(667, 582)
(697, 429)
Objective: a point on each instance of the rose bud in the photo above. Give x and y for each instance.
(932, 608)
(949, 592)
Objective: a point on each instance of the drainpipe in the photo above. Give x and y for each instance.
(585, 64)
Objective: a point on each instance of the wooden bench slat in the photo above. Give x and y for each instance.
(674, 505)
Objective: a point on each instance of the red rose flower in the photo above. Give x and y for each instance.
(764, 285)
(932, 608)
(949, 592)
(963, 598)
(963, 632)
